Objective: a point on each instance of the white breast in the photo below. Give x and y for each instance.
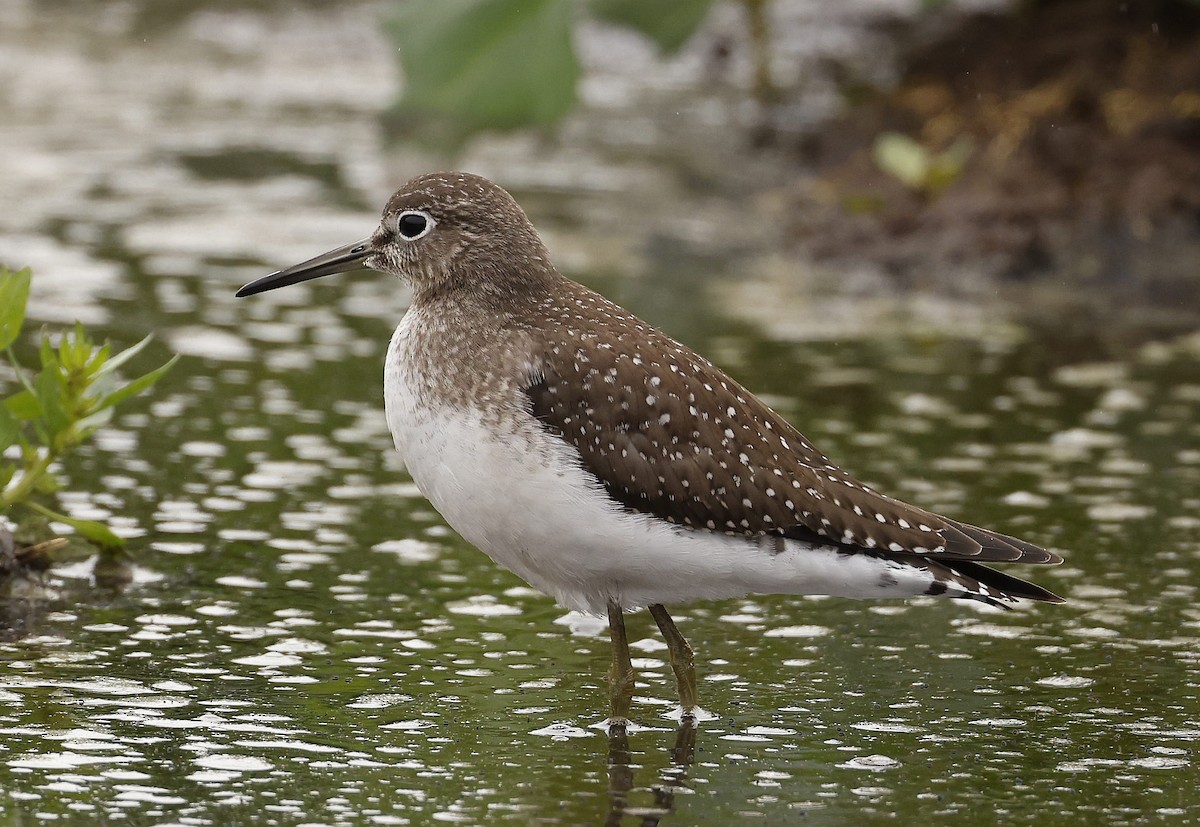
(521, 496)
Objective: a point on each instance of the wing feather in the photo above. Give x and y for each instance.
(668, 433)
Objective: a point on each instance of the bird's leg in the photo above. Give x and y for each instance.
(620, 677)
(683, 661)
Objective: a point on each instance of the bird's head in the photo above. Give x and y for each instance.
(440, 232)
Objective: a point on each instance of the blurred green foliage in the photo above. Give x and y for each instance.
(486, 63)
(57, 408)
(669, 23)
(919, 168)
(472, 65)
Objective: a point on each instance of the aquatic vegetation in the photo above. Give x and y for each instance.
(56, 409)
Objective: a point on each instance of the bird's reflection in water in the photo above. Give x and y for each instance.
(671, 779)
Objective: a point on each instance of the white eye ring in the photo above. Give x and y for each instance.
(414, 224)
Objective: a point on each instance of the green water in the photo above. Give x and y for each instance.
(305, 641)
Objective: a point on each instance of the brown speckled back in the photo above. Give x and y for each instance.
(670, 434)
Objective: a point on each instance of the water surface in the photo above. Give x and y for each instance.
(306, 642)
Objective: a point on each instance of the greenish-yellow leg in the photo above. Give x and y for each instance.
(683, 661)
(620, 677)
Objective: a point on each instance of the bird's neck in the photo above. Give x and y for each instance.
(476, 334)
(486, 296)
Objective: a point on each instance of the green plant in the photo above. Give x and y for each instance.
(920, 169)
(57, 408)
(472, 65)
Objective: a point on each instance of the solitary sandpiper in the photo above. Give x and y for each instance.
(605, 463)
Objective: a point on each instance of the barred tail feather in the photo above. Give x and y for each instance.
(967, 580)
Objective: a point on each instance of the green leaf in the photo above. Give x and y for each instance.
(46, 353)
(112, 363)
(10, 428)
(135, 387)
(24, 406)
(916, 166)
(89, 424)
(75, 349)
(14, 293)
(948, 165)
(47, 483)
(486, 64)
(49, 386)
(902, 157)
(96, 533)
(669, 23)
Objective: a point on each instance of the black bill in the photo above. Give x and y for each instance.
(340, 260)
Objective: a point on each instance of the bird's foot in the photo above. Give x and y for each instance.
(615, 725)
(691, 716)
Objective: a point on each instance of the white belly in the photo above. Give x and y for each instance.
(521, 496)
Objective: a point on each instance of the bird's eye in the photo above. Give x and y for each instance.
(412, 225)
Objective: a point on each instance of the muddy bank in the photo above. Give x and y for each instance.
(1083, 122)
